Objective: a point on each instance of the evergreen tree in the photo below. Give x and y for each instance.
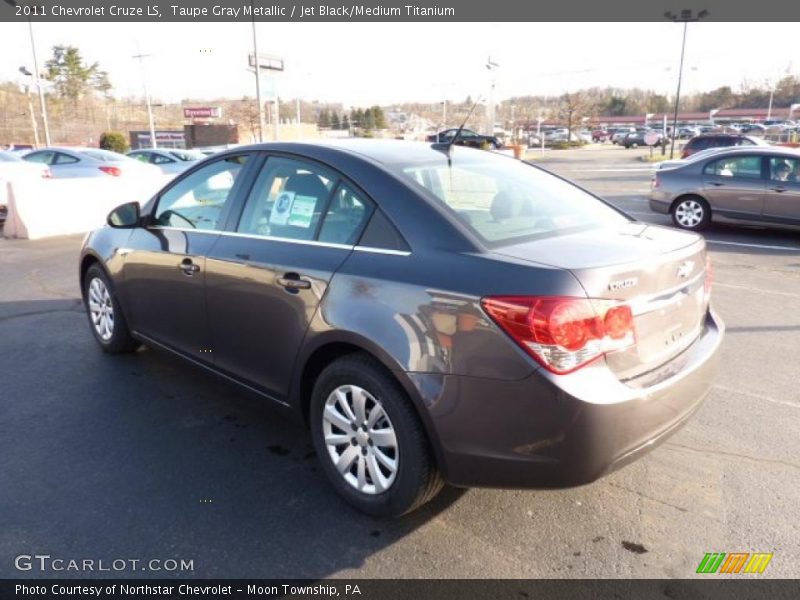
(345, 123)
(335, 124)
(380, 118)
(324, 119)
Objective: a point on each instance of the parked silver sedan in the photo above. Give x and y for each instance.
(89, 162)
(744, 185)
(169, 160)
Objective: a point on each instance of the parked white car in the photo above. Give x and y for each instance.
(169, 160)
(13, 168)
(89, 162)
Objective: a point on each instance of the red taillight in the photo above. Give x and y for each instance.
(113, 171)
(563, 333)
(654, 182)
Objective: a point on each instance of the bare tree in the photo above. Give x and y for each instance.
(572, 107)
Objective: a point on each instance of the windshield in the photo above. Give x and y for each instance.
(506, 201)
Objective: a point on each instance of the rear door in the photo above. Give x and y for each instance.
(782, 199)
(266, 276)
(164, 268)
(735, 186)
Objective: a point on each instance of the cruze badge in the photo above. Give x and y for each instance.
(623, 284)
(685, 269)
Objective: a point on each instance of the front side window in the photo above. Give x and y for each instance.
(288, 200)
(198, 200)
(159, 159)
(748, 167)
(505, 201)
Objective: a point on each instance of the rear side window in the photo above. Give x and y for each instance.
(505, 201)
(46, 157)
(748, 167)
(288, 200)
(64, 159)
(345, 217)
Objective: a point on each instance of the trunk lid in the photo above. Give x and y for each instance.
(659, 272)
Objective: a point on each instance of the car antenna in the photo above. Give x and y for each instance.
(446, 147)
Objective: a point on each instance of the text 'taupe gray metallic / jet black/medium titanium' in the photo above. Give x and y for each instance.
(433, 315)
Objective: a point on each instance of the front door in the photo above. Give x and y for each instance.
(164, 268)
(735, 186)
(265, 279)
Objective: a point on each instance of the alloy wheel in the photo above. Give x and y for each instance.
(689, 213)
(101, 309)
(360, 439)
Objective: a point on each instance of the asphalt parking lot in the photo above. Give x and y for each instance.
(143, 456)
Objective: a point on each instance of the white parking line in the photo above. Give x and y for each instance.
(765, 246)
(748, 288)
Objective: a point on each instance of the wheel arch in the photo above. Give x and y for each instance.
(327, 348)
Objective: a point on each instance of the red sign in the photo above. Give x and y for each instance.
(206, 112)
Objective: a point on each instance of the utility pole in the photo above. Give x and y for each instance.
(258, 78)
(150, 119)
(684, 17)
(34, 125)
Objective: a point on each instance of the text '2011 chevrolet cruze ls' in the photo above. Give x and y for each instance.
(433, 314)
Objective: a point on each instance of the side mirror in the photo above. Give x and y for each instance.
(125, 216)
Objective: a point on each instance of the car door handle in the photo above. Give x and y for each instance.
(188, 267)
(293, 282)
(778, 189)
(717, 183)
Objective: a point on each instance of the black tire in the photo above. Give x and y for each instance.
(699, 209)
(120, 339)
(417, 480)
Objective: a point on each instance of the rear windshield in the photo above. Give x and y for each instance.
(104, 155)
(505, 201)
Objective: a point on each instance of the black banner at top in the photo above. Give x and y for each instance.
(403, 11)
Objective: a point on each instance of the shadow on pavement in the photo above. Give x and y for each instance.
(144, 456)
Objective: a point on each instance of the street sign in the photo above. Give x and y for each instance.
(269, 62)
(205, 112)
(651, 138)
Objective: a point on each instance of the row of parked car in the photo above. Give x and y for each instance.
(71, 162)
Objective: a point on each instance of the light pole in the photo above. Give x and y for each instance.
(35, 127)
(36, 75)
(150, 120)
(258, 78)
(685, 16)
(491, 66)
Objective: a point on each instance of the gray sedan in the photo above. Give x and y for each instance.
(744, 185)
(432, 313)
(89, 162)
(169, 160)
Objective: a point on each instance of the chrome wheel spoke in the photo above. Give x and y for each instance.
(387, 462)
(346, 459)
(341, 396)
(375, 474)
(337, 439)
(374, 415)
(362, 473)
(332, 416)
(383, 438)
(360, 405)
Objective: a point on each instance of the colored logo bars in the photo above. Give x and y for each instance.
(734, 562)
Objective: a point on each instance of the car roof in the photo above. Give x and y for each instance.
(382, 151)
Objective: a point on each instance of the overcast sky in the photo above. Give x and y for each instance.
(380, 63)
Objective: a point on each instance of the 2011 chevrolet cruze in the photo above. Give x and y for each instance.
(434, 314)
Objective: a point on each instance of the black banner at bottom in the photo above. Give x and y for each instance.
(734, 588)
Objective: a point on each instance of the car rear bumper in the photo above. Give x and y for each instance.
(559, 431)
(659, 202)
